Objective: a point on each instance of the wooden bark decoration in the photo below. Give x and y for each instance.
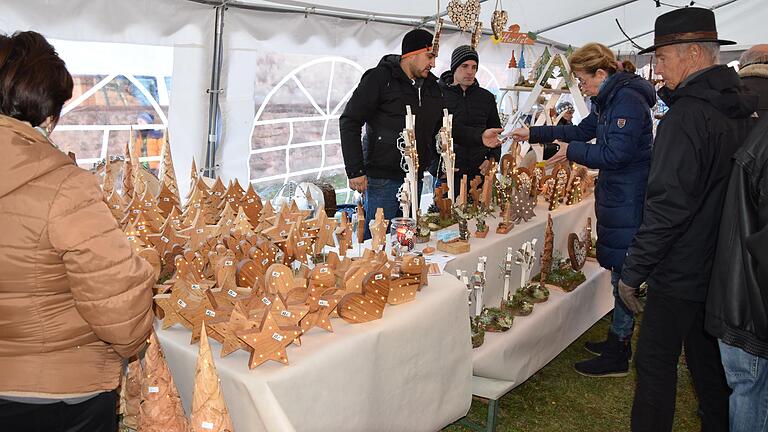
(128, 168)
(167, 172)
(443, 203)
(360, 223)
(546, 254)
(378, 230)
(462, 191)
(368, 306)
(269, 341)
(130, 395)
(209, 410)
(161, 409)
(586, 236)
(576, 252)
(474, 189)
(507, 165)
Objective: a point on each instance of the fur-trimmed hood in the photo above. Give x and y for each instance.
(758, 70)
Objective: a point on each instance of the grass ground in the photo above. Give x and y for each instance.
(557, 399)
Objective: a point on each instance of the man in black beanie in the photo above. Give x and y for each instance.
(476, 124)
(373, 160)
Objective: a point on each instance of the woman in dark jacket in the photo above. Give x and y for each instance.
(621, 122)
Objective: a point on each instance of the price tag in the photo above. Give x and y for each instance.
(325, 270)
(207, 425)
(232, 293)
(285, 313)
(275, 274)
(181, 303)
(282, 233)
(164, 239)
(266, 301)
(228, 263)
(300, 244)
(147, 204)
(218, 193)
(416, 261)
(264, 261)
(277, 337)
(116, 206)
(137, 211)
(131, 238)
(210, 313)
(195, 286)
(196, 205)
(378, 277)
(323, 303)
(166, 199)
(327, 227)
(142, 227)
(231, 199)
(250, 201)
(200, 230)
(152, 389)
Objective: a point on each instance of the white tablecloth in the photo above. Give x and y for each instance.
(409, 371)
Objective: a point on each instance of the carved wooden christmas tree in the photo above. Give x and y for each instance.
(130, 395)
(161, 409)
(209, 410)
(252, 205)
(546, 254)
(128, 171)
(167, 172)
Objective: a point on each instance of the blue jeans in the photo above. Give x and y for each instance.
(623, 322)
(382, 193)
(747, 376)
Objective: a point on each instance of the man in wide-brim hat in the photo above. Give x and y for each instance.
(708, 120)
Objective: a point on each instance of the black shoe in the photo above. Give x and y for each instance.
(613, 362)
(595, 348)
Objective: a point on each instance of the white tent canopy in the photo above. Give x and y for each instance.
(280, 54)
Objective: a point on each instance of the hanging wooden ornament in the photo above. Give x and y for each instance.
(499, 21)
(477, 34)
(576, 251)
(463, 13)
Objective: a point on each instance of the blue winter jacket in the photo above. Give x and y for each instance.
(621, 122)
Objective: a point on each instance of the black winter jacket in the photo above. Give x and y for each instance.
(474, 111)
(737, 302)
(379, 103)
(708, 120)
(755, 78)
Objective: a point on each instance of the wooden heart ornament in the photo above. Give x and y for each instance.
(368, 306)
(576, 251)
(499, 22)
(464, 13)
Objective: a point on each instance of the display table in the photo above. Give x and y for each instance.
(411, 370)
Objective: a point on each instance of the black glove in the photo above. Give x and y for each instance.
(550, 149)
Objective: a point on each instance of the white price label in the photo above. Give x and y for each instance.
(195, 286)
(282, 233)
(323, 303)
(207, 425)
(137, 211)
(181, 303)
(275, 274)
(300, 244)
(325, 270)
(210, 313)
(218, 193)
(131, 238)
(164, 239)
(266, 301)
(142, 227)
(378, 277)
(232, 293)
(116, 206)
(416, 261)
(250, 201)
(166, 199)
(152, 389)
(264, 261)
(147, 204)
(231, 199)
(200, 230)
(197, 205)
(277, 337)
(228, 262)
(285, 313)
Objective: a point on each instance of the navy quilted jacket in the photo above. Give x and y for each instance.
(621, 122)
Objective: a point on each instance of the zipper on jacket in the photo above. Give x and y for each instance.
(419, 96)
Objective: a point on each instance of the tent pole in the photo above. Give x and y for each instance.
(586, 15)
(213, 93)
(717, 6)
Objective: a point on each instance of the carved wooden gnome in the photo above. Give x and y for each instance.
(209, 410)
(161, 409)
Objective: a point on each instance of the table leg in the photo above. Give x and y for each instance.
(491, 420)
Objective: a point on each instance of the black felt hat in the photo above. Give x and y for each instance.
(685, 25)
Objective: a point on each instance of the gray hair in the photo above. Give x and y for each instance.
(756, 54)
(711, 50)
